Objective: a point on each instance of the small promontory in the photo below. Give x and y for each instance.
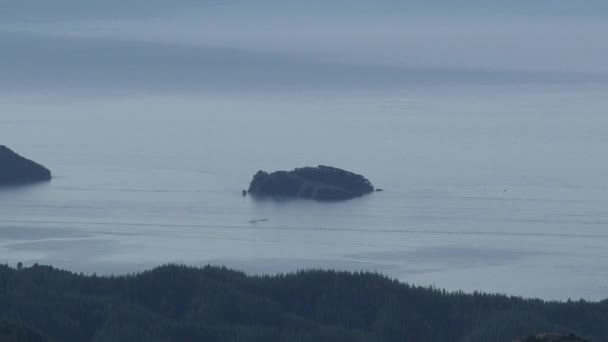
(320, 183)
(15, 169)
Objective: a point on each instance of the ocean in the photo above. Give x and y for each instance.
(494, 177)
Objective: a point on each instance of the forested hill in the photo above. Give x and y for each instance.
(178, 303)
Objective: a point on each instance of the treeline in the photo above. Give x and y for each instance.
(178, 303)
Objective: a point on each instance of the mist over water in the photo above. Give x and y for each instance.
(485, 125)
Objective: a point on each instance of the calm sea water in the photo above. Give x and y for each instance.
(492, 188)
(485, 124)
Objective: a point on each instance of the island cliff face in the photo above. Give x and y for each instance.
(15, 169)
(320, 183)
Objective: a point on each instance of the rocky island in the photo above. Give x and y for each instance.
(320, 183)
(15, 169)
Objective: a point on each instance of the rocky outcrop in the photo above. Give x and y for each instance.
(15, 169)
(319, 183)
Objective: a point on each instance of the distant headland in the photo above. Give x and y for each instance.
(15, 169)
(320, 183)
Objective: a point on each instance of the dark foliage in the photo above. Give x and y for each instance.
(321, 183)
(14, 169)
(178, 303)
(552, 337)
(14, 332)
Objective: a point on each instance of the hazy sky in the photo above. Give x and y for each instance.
(185, 44)
(65, 9)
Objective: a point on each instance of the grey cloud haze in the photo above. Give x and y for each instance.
(186, 44)
(65, 9)
(38, 62)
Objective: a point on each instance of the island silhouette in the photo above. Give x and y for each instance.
(324, 183)
(16, 170)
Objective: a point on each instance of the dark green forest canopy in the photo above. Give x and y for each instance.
(552, 337)
(17, 332)
(179, 303)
